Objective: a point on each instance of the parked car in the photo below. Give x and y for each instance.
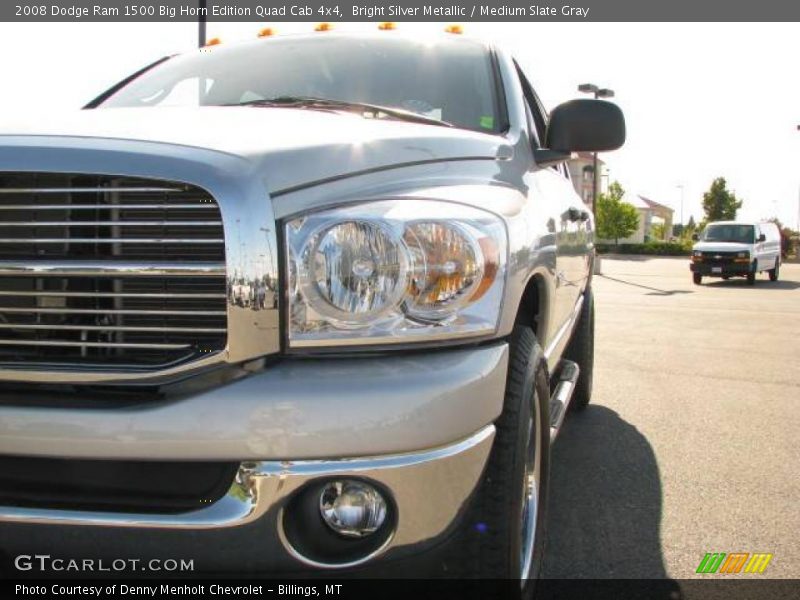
(730, 248)
(408, 202)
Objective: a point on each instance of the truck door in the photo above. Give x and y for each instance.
(571, 218)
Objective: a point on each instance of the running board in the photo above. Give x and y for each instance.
(562, 394)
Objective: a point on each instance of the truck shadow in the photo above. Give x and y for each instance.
(653, 291)
(605, 502)
(740, 282)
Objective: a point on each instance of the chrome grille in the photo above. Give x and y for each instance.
(109, 271)
(718, 258)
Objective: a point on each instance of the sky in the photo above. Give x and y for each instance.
(701, 100)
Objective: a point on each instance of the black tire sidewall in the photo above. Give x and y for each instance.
(775, 272)
(491, 533)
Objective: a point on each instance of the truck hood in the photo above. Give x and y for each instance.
(291, 147)
(721, 247)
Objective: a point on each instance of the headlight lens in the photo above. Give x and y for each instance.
(743, 255)
(354, 272)
(392, 272)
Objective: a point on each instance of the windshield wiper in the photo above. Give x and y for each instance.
(375, 110)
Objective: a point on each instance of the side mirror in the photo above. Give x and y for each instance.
(695, 237)
(586, 126)
(762, 238)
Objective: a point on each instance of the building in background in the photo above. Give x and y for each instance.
(655, 220)
(581, 170)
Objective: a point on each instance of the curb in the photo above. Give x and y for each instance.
(641, 256)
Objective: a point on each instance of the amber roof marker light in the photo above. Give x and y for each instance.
(323, 27)
(455, 29)
(266, 32)
(387, 26)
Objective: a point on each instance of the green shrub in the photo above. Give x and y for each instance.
(677, 248)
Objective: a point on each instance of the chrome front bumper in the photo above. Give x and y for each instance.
(430, 490)
(418, 425)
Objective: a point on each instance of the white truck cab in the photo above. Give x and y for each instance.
(734, 248)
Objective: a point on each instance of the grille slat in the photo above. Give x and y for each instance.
(117, 223)
(93, 344)
(112, 328)
(114, 295)
(91, 190)
(103, 207)
(108, 241)
(98, 270)
(107, 311)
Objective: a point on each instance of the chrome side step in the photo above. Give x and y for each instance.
(562, 394)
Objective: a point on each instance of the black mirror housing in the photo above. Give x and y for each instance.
(762, 238)
(695, 237)
(585, 125)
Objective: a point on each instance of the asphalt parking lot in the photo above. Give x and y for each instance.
(692, 441)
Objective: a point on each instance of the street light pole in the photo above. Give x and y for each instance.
(590, 88)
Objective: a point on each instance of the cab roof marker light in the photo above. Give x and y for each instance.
(266, 32)
(387, 26)
(323, 27)
(213, 42)
(456, 29)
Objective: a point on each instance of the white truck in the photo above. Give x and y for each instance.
(734, 248)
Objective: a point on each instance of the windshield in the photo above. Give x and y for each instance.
(448, 80)
(743, 234)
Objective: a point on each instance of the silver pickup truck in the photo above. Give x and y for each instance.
(307, 302)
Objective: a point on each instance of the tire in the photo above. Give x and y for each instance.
(697, 278)
(490, 544)
(581, 351)
(751, 275)
(775, 272)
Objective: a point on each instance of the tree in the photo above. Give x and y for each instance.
(786, 236)
(720, 204)
(688, 230)
(658, 231)
(615, 219)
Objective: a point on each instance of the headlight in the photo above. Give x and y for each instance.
(697, 253)
(743, 255)
(394, 271)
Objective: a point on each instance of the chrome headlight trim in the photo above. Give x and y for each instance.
(464, 275)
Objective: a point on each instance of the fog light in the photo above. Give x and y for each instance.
(352, 508)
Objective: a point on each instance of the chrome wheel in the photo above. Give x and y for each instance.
(530, 497)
